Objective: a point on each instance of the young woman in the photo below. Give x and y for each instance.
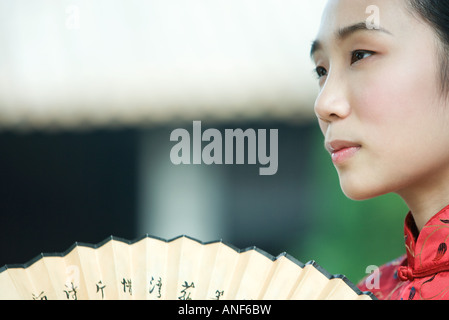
(383, 108)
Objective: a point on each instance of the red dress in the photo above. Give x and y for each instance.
(423, 272)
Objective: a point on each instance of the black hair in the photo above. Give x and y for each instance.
(436, 13)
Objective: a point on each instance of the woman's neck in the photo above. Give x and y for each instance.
(426, 200)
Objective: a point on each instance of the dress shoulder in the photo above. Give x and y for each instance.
(384, 279)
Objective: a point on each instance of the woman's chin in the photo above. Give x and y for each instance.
(358, 196)
(359, 192)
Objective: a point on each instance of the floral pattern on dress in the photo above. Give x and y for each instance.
(422, 273)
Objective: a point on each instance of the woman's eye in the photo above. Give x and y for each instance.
(359, 55)
(320, 71)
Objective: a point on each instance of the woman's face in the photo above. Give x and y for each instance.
(380, 106)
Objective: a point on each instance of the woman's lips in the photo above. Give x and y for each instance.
(342, 151)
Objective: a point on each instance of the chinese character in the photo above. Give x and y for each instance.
(127, 284)
(100, 286)
(218, 294)
(186, 295)
(158, 284)
(40, 296)
(71, 293)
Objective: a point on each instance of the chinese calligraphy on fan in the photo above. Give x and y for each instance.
(154, 289)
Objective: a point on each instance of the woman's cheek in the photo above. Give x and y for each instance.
(386, 93)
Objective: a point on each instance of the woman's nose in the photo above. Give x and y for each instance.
(332, 102)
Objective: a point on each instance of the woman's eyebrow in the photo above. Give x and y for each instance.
(345, 32)
(316, 45)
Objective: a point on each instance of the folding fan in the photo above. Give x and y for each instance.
(182, 268)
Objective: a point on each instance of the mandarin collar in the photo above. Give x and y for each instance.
(426, 250)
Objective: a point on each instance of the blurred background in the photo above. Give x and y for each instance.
(91, 90)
